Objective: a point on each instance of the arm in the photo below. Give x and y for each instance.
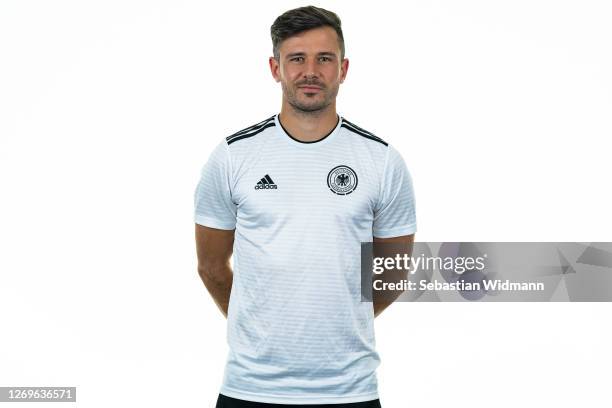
(381, 301)
(214, 250)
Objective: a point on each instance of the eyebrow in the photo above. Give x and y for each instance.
(320, 54)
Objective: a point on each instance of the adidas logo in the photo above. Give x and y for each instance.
(265, 183)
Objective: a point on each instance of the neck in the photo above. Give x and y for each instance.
(308, 126)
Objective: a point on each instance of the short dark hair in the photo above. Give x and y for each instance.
(301, 19)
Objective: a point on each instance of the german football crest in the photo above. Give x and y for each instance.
(342, 180)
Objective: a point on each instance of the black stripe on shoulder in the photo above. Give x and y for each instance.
(361, 132)
(250, 128)
(361, 129)
(251, 133)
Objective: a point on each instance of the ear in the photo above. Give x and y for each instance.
(274, 68)
(344, 65)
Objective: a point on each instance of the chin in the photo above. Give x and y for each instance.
(312, 108)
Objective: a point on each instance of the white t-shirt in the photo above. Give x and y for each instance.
(298, 332)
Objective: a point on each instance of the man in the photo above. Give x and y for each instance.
(292, 198)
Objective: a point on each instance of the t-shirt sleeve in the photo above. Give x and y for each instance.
(213, 203)
(395, 214)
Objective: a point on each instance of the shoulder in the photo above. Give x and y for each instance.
(371, 148)
(362, 133)
(250, 132)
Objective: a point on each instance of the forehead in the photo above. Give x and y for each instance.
(320, 39)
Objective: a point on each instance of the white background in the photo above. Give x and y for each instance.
(108, 110)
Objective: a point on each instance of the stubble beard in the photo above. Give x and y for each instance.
(309, 107)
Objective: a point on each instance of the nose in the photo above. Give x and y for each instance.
(310, 68)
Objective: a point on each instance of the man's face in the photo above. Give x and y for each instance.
(310, 69)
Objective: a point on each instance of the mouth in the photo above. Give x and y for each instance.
(309, 88)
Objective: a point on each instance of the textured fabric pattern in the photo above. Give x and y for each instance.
(297, 330)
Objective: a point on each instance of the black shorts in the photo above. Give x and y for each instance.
(228, 402)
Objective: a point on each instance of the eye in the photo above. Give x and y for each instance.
(297, 59)
(324, 59)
